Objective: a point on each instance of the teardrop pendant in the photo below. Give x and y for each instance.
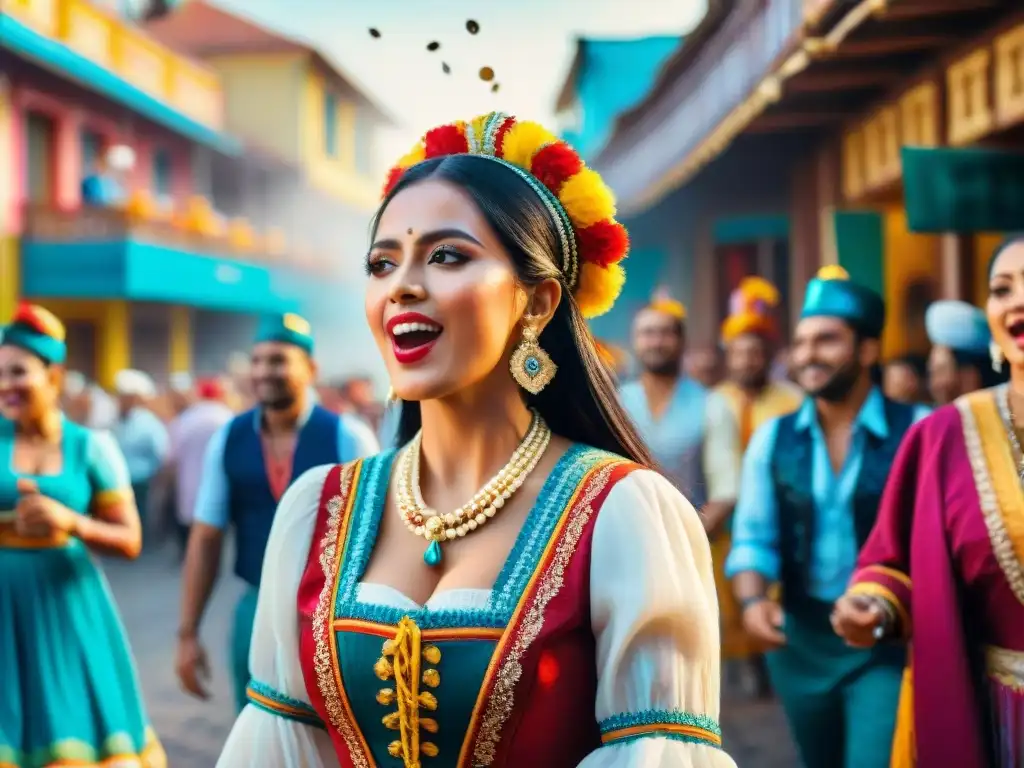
(432, 555)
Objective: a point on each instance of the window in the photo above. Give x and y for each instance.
(39, 167)
(162, 172)
(92, 148)
(330, 125)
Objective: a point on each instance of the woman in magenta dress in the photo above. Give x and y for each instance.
(944, 567)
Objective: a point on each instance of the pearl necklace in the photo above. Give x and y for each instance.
(436, 528)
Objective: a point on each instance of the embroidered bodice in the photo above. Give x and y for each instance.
(477, 677)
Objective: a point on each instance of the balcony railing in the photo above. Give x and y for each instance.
(193, 233)
(115, 44)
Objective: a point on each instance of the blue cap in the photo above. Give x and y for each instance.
(288, 328)
(958, 325)
(38, 331)
(833, 294)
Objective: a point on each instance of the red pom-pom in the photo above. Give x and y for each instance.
(445, 140)
(499, 136)
(554, 164)
(393, 176)
(25, 315)
(603, 243)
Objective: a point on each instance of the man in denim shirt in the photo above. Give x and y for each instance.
(809, 494)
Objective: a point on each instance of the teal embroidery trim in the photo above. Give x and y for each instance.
(515, 574)
(268, 699)
(660, 723)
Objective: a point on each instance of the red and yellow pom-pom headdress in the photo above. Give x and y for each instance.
(581, 206)
(750, 310)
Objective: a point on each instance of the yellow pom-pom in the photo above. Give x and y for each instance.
(598, 288)
(523, 141)
(586, 199)
(417, 155)
(833, 272)
(758, 289)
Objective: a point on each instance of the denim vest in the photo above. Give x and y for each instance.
(252, 504)
(792, 471)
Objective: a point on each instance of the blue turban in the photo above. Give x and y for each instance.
(288, 329)
(958, 325)
(833, 294)
(38, 331)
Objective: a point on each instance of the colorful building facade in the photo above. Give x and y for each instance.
(802, 107)
(308, 121)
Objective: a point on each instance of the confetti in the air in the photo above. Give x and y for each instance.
(472, 27)
(433, 46)
(486, 74)
(374, 32)
(495, 87)
(445, 68)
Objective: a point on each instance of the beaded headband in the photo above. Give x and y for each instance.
(582, 208)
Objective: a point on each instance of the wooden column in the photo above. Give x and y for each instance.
(957, 264)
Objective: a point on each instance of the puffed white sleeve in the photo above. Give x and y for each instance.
(654, 614)
(278, 727)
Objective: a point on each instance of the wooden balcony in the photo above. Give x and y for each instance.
(116, 45)
(46, 224)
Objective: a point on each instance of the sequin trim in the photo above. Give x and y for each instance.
(506, 668)
(325, 658)
(540, 525)
(273, 701)
(659, 723)
(998, 487)
(116, 751)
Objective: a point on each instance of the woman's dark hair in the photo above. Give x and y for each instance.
(581, 403)
(1013, 239)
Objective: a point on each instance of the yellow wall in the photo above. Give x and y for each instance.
(263, 97)
(113, 332)
(337, 176)
(909, 258)
(9, 256)
(984, 245)
(180, 346)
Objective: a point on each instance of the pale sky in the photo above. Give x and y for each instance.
(528, 43)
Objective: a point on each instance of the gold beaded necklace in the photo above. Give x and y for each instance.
(436, 528)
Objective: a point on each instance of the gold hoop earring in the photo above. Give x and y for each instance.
(532, 367)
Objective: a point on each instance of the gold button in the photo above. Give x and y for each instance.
(428, 700)
(432, 678)
(429, 749)
(432, 654)
(383, 669)
(391, 720)
(395, 749)
(386, 696)
(429, 724)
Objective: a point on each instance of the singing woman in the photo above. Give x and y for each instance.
(514, 585)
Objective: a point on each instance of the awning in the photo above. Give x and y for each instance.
(48, 53)
(963, 189)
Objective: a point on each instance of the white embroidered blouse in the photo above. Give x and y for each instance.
(654, 614)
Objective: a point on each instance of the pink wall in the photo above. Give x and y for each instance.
(72, 110)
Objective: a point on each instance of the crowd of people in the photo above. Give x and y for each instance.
(845, 541)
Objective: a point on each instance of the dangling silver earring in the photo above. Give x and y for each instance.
(996, 352)
(532, 367)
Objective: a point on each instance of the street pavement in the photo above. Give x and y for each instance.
(193, 732)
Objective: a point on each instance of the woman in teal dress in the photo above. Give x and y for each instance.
(69, 693)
